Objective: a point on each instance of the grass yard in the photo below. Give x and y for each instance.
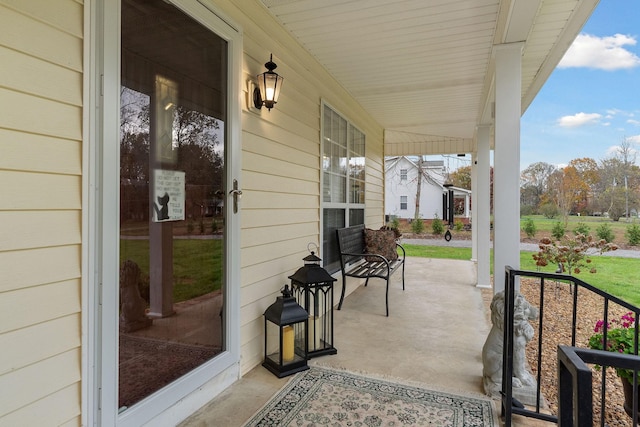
(197, 264)
(545, 225)
(617, 276)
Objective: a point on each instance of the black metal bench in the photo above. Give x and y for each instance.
(353, 263)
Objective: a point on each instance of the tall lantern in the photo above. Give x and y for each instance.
(312, 287)
(286, 320)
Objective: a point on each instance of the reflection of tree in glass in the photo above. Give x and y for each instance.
(134, 155)
(197, 139)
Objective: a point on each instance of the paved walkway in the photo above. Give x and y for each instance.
(530, 247)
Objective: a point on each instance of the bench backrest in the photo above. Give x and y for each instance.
(350, 240)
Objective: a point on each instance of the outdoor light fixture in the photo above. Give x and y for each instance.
(286, 321)
(312, 287)
(269, 85)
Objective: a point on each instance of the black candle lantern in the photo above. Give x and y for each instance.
(312, 286)
(288, 321)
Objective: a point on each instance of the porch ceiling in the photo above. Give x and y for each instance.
(423, 68)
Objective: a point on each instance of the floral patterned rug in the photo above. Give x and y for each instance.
(324, 397)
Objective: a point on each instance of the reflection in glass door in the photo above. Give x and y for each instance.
(172, 217)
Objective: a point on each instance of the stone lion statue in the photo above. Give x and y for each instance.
(493, 346)
(132, 305)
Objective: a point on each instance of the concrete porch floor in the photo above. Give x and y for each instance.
(433, 336)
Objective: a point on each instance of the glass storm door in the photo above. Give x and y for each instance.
(173, 117)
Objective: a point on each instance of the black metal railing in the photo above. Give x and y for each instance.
(575, 386)
(576, 288)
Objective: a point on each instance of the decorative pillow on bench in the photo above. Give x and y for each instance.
(380, 242)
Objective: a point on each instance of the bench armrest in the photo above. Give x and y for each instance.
(404, 253)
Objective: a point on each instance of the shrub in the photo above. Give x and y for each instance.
(417, 225)
(530, 228)
(458, 225)
(582, 228)
(395, 223)
(571, 254)
(633, 234)
(437, 226)
(549, 210)
(527, 210)
(558, 230)
(605, 232)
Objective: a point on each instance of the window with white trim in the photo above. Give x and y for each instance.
(343, 181)
(403, 203)
(403, 174)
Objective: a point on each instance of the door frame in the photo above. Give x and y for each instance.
(100, 221)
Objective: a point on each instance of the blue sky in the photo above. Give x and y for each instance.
(591, 102)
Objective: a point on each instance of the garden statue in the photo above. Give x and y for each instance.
(523, 382)
(132, 305)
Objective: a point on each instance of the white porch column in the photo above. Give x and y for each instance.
(466, 205)
(506, 172)
(474, 198)
(482, 206)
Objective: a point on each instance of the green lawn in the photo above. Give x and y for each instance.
(197, 264)
(545, 225)
(617, 276)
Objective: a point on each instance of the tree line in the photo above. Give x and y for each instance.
(585, 186)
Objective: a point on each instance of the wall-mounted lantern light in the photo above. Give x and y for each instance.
(269, 85)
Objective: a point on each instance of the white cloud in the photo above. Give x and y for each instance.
(634, 122)
(613, 150)
(604, 53)
(579, 119)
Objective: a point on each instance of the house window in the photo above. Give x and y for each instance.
(343, 181)
(403, 203)
(403, 174)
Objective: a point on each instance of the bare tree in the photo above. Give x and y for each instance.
(534, 183)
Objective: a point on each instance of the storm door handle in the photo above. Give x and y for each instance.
(237, 194)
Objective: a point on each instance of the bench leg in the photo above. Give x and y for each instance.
(344, 285)
(387, 296)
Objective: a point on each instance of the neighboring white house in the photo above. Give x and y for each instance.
(401, 179)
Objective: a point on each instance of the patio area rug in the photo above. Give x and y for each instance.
(326, 397)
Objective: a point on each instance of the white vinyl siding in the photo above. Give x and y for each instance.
(41, 52)
(41, 151)
(281, 154)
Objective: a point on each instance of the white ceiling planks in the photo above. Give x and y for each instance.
(423, 68)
